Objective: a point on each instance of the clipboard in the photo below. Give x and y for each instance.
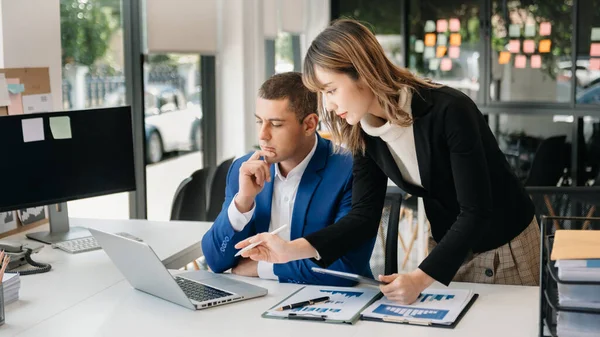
(319, 317)
(422, 322)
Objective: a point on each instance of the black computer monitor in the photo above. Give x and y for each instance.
(52, 158)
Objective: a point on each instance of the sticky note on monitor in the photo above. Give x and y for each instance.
(595, 49)
(454, 52)
(595, 34)
(514, 46)
(419, 46)
(529, 46)
(455, 39)
(504, 57)
(429, 53)
(33, 129)
(595, 64)
(60, 127)
(454, 25)
(529, 30)
(429, 26)
(442, 40)
(536, 61)
(442, 26)
(520, 61)
(446, 64)
(514, 30)
(434, 64)
(545, 28)
(545, 46)
(430, 40)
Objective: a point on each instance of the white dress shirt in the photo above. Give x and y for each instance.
(282, 207)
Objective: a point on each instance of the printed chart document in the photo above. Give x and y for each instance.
(344, 305)
(432, 307)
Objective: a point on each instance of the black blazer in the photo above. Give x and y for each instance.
(472, 198)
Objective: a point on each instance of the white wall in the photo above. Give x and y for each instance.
(30, 37)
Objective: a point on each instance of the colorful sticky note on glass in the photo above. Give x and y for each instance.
(594, 64)
(442, 39)
(60, 127)
(429, 53)
(545, 46)
(520, 61)
(514, 30)
(33, 129)
(529, 30)
(455, 39)
(504, 57)
(454, 52)
(440, 51)
(536, 61)
(442, 26)
(430, 40)
(446, 64)
(419, 46)
(595, 34)
(595, 49)
(529, 46)
(545, 28)
(514, 46)
(434, 64)
(429, 26)
(454, 25)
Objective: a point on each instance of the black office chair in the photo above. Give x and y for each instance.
(217, 189)
(549, 163)
(191, 198)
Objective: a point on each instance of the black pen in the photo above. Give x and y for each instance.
(304, 303)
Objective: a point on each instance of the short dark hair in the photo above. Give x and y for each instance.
(301, 101)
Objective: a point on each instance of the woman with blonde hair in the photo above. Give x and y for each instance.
(434, 143)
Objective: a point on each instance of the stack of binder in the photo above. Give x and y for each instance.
(11, 284)
(576, 272)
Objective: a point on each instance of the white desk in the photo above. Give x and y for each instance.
(85, 295)
(75, 277)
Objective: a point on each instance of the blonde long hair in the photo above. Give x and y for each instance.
(348, 47)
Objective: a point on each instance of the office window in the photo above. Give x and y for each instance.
(445, 43)
(588, 53)
(173, 122)
(590, 151)
(531, 50)
(92, 71)
(284, 53)
(384, 18)
(521, 136)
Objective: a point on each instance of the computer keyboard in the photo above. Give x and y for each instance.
(86, 244)
(199, 292)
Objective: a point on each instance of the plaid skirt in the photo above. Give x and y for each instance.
(515, 263)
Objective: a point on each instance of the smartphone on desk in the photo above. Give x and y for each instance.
(349, 276)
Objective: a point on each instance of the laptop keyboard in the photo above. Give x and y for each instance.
(199, 292)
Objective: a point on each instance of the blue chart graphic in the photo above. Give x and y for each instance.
(347, 294)
(314, 309)
(434, 297)
(393, 310)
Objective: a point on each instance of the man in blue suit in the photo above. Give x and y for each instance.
(295, 178)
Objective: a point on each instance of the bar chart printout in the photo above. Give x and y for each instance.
(439, 306)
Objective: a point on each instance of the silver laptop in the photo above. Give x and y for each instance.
(193, 290)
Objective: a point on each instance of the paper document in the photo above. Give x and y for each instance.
(4, 98)
(33, 129)
(438, 306)
(345, 303)
(37, 103)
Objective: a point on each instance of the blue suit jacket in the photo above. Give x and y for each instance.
(324, 196)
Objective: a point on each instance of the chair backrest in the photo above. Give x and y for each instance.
(384, 259)
(190, 201)
(217, 189)
(549, 163)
